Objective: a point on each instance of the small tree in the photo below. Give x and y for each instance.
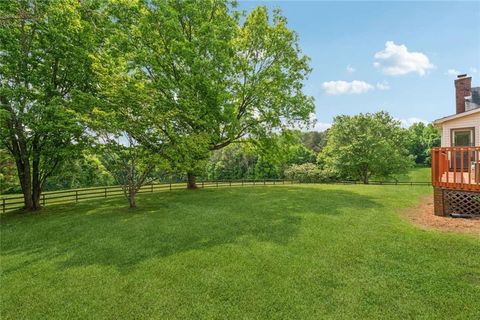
(129, 163)
(366, 145)
(116, 122)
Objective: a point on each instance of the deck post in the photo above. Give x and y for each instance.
(438, 202)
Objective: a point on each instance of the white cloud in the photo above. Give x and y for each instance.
(409, 121)
(313, 125)
(340, 87)
(321, 126)
(396, 60)
(383, 85)
(473, 70)
(351, 69)
(452, 72)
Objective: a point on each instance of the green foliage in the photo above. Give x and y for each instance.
(299, 154)
(215, 74)
(236, 161)
(422, 138)
(265, 158)
(8, 173)
(366, 145)
(44, 65)
(314, 140)
(309, 172)
(85, 171)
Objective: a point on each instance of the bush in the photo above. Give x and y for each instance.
(309, 172)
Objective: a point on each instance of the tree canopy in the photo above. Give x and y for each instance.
(218, 75)
(422, 138)
(44, 64)
(366, 145)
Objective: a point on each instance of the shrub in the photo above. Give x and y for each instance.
(309, 172)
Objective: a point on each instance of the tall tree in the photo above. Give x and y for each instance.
(366, 145)
(44, 64)
(220, 75)
(422, 138)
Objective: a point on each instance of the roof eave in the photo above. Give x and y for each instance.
(455, 116)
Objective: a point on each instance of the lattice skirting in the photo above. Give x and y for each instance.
(461, 202)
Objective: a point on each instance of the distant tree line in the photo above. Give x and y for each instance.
(297, 156)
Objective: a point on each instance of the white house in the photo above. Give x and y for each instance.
(456, 164)
(462, 129)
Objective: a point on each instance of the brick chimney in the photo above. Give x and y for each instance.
(463, 86)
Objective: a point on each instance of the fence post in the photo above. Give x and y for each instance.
(203, 186)
(43, 199)
(242, 182)
(263, 181)
(230, 183)
(3, 205)
(76, 195)
(170, 186)
(274, 181)
(152, 187)
(217, 183)
(105, 192)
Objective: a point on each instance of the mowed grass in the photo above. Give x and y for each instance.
(275, 252)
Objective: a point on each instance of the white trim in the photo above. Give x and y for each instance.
(456, 116)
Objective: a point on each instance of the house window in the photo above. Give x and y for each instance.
(463, 137)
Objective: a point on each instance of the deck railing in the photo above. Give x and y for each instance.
(456, 168)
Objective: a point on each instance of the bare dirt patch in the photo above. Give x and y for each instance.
(422, 215)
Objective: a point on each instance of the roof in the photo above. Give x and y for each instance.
(456, 116)
(475, 95)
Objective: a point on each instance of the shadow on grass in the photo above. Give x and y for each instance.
(108, 233)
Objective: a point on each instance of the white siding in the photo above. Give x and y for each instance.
(469, 121)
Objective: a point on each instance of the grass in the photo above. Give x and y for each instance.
(283, 252)
(415, 174)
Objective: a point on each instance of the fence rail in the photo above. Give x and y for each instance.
(10, 203)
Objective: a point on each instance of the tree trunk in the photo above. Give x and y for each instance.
(26, 186)
(36, 184)
(365, 178)
(131, 200)
(24, 175)
(191, 181)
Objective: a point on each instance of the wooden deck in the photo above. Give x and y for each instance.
(456, 168)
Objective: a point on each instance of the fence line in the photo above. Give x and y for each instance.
(76, 195)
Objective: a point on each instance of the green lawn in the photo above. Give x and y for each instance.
(278, 252)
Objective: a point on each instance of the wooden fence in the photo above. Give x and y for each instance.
(14, 202)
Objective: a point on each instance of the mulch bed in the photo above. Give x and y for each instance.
(423, 217)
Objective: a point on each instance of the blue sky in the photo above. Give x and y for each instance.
(401, 57)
